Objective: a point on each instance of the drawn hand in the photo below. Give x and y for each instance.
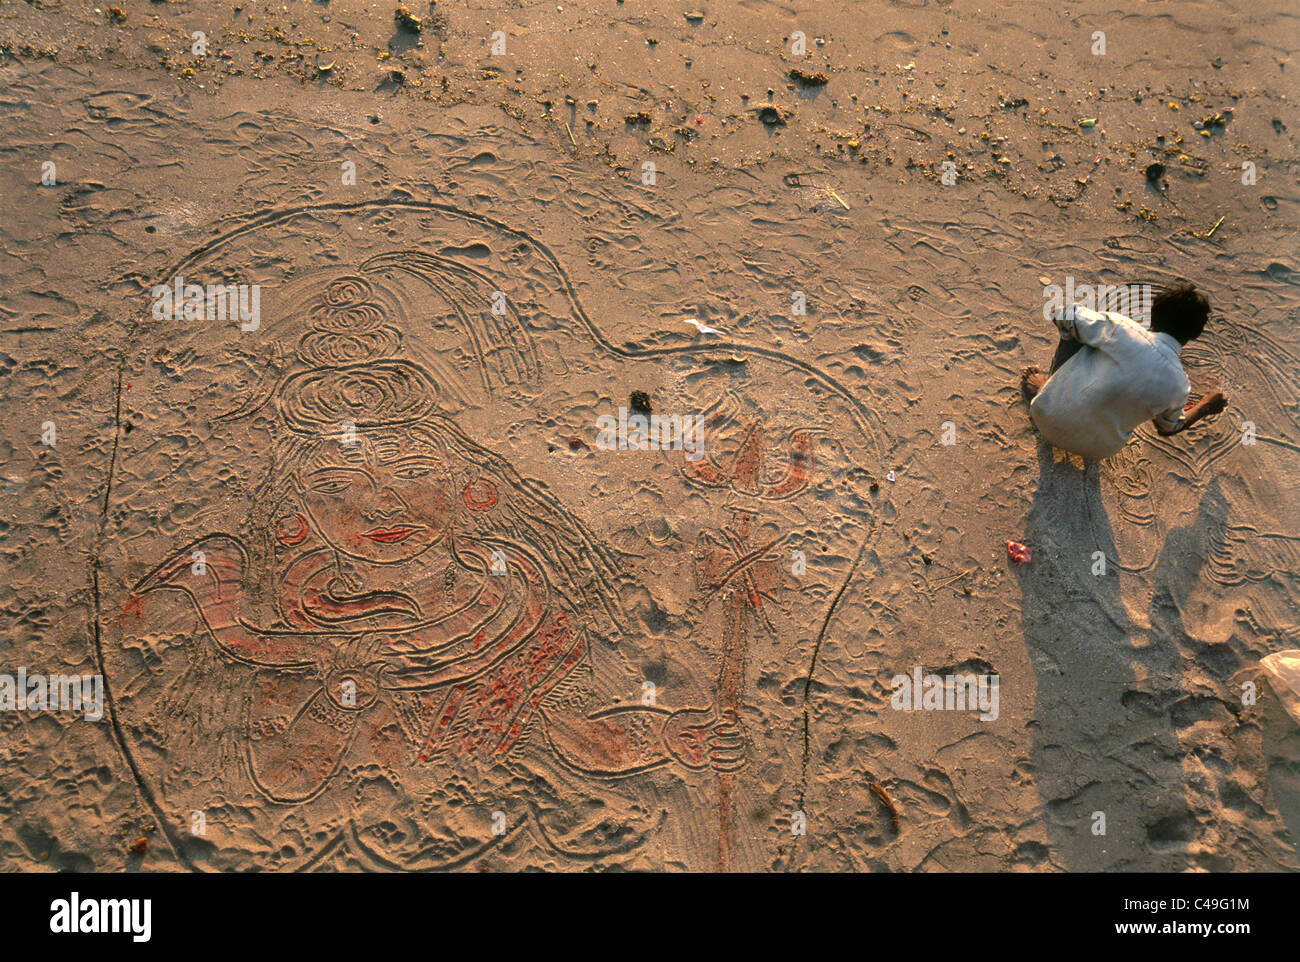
(355, 660)
(699, 739)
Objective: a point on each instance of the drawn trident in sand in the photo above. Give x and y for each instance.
(733, 567)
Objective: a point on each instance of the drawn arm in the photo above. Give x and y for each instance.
(210, 572)
(627, 740)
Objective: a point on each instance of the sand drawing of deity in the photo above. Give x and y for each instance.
(404, 618)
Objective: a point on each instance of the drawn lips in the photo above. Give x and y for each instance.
(389, 535)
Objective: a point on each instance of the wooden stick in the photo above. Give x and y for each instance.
(958, 577)
(1215, 227)
(894, 815)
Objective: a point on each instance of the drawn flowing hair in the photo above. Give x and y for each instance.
(500, 337)
(356, 381)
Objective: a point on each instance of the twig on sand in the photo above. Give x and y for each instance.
(570, 130)
(1210, 232)
(840, 199)
(880, 793)
(956, 577)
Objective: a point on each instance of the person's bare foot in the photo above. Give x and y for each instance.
(1032, 380)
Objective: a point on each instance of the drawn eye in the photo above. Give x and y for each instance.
(332, 486)
(411, 473)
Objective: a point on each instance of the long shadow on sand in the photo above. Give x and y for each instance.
(1104, 740)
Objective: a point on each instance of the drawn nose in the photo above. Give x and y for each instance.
(386, 505)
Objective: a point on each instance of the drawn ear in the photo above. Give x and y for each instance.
(291, 529)
(479, 495)
(290, 522)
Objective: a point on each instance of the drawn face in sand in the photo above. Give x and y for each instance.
(383, 504)
(381, 497)
(399, 628)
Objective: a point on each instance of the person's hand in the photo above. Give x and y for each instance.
(1213, 403)
(699, 738)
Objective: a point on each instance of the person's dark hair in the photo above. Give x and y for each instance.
(1180, 312)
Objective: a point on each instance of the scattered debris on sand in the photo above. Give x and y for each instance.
(407, 21)
(818, 79)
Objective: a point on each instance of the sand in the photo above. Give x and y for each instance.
(829, 541)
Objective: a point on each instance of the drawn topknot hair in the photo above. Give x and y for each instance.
(349, 323)
(356, 377)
